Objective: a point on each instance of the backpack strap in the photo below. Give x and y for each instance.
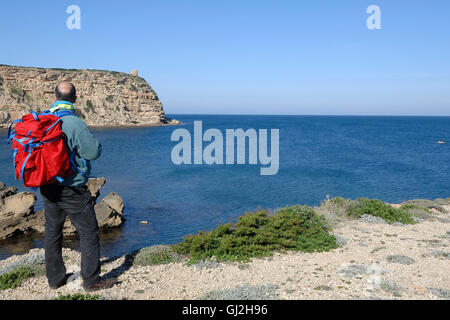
(64, 113)
(72, 156)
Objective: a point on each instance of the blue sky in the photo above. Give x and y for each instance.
(250, 57)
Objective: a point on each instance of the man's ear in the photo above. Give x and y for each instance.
(54, 97)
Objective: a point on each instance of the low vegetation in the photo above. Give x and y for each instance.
(335, 210)
(78, 296)
(259, 234)
(380, 209)
(13, 279)
(429, 205)
(153, 256)
(89, 106)
(19, 95)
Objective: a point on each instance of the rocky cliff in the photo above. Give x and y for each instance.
(105, 98)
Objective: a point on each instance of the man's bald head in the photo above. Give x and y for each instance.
(66, 91)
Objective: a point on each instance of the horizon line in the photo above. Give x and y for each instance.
(306, 115)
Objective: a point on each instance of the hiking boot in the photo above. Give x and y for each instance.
(100, 285)
(62, 283)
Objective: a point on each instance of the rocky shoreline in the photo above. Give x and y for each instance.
(374, 260)
(18, 217)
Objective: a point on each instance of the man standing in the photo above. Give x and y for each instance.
(72, 198)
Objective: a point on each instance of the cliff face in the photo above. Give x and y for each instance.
(105, 98)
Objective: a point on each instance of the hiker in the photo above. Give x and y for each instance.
(71, 197)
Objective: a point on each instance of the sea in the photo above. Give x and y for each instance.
(389, 158)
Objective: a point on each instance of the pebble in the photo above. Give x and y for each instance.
(372, 219)
(400, 259)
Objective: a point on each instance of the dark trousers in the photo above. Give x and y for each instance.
(75, 202)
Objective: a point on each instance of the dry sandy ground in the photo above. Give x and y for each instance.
(360, 269)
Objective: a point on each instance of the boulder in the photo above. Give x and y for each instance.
(16, 214)
(109, 211)
(94, 185)
(114, 201)
(6, 191)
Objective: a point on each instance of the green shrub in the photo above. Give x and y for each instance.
(18, 94)
(14, 278)
(259, 234)
(77, 296)
(428, 204)
(89, 106)
(334, 210)
(153, 255)
(411, 207)
(380, 209)
(140, 80)
(442, 202)
(109, 98)
(133, 88)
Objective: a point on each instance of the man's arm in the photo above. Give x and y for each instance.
(89, 147)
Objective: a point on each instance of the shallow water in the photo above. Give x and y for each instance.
(390, 158)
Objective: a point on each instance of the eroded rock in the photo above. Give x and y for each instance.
(109, 211)
(94, 185)
(17, 214)
(6, 191)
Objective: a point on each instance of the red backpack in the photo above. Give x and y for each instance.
(39, 153)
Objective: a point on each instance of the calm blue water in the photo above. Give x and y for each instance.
(390, 158)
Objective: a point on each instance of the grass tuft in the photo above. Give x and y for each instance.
(13, 279)
(380, 209)
(154, 255)
(78, 296)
